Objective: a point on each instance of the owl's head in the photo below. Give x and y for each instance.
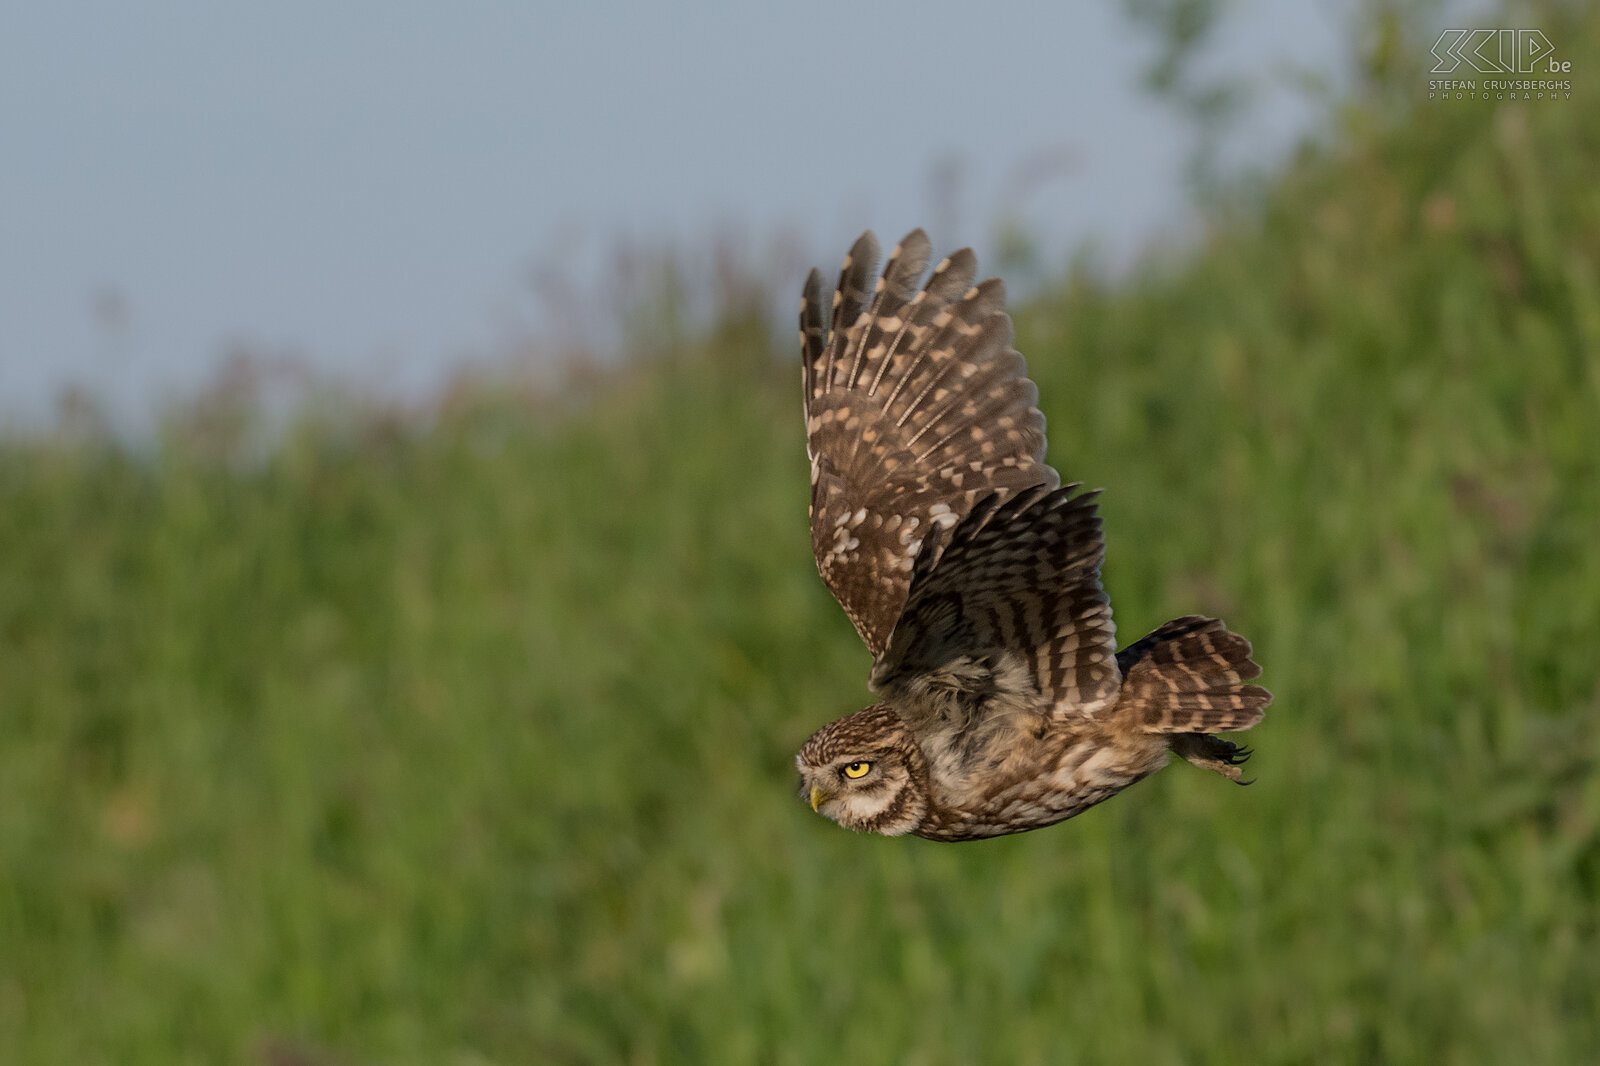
(866, 772)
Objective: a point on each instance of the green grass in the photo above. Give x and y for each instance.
(470, 741)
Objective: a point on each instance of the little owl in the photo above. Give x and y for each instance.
(973, 576)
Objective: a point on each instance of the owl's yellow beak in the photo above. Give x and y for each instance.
(819, 797)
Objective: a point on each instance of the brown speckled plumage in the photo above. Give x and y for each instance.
(973, 577)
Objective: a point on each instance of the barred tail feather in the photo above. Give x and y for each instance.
(1186, 680)
(1189, 676)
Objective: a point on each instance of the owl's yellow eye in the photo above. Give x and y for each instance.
(857, 769)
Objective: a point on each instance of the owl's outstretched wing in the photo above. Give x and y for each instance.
(917, 406)
(1012, 606)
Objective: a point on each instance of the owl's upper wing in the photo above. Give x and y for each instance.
(916, 407)
(1017, 587)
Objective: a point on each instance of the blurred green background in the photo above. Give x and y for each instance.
(467, 738)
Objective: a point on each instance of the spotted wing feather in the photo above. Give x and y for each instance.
(917, 406)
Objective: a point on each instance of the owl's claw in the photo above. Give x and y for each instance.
(1213, 753)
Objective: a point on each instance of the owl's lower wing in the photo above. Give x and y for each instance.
(1009, 617)
(916, 407)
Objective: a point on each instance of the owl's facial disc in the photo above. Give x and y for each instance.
(858, 771)
(853, 789)
(836, 780)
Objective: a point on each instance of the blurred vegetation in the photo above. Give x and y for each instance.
(467, 738)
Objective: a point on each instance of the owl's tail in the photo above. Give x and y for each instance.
(1187, 680)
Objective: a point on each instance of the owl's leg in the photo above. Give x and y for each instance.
(1212, 753)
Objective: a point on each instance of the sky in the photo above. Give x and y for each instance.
(375, 189)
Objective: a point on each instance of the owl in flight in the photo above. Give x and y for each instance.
(973, 576)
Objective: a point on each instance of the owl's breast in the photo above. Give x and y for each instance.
(1039, 781)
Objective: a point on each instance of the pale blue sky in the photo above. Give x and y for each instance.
(369, 185)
